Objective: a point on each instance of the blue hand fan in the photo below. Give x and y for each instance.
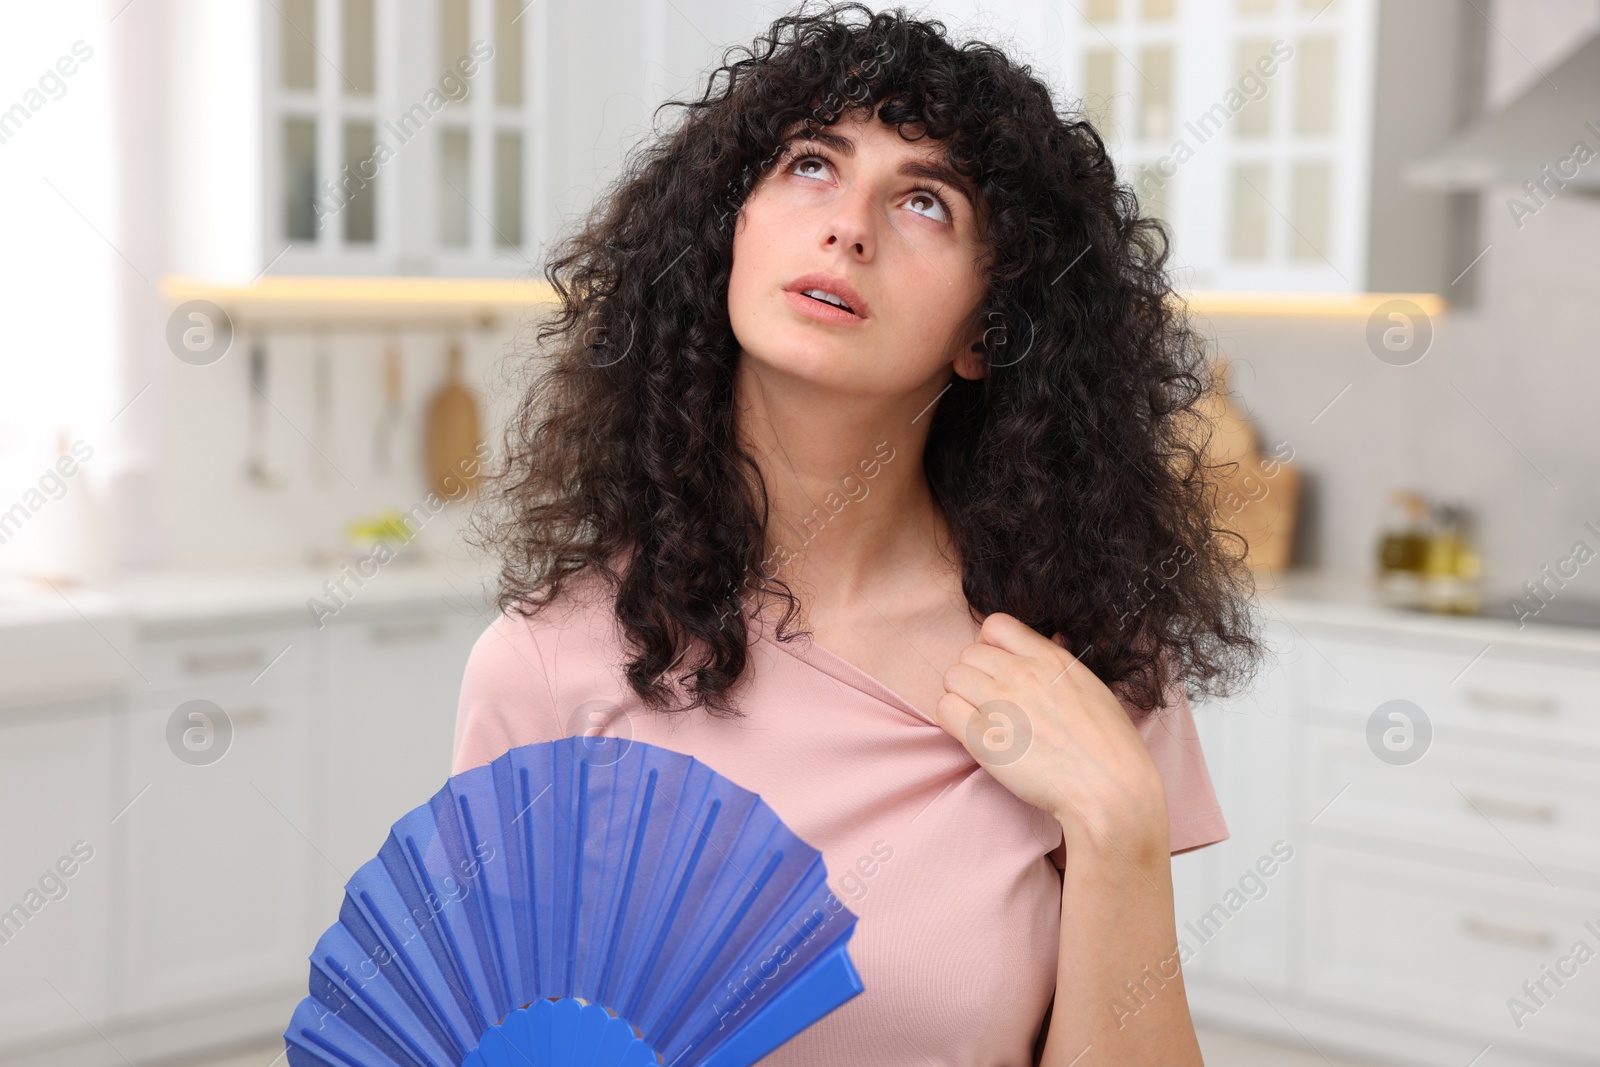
(590, 901)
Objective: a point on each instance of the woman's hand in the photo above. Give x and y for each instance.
(1053, 734)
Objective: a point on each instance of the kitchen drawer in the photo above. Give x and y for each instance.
(56, 786)
(1401, 940)
(1524, 811)
(1494, 696)
(220, 659)
(218, 857)
(48, 661)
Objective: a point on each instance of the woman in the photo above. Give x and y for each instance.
(875, 334)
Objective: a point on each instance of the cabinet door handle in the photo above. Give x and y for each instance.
(1516, 703)
(394, 633)
(1506, 934)
(222, 662)
(1512, 809)
(252, 716)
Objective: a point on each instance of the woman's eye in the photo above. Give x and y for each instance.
(930, 202)
(804, 161)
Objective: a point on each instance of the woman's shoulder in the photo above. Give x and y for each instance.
(529, 662)
(581, 608)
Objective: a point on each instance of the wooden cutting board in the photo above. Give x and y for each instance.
(452, 434)
(1257, 495)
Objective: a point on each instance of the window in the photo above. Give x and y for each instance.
(1154, 192)
(1250, 212)
(455, 177)
(1255, 117)
(508, 189)
(1099, 87)
(1309, 200)
(359, 173)
(396, 143)
(356, 38)
(1155, 98)
(300, 179)
(508, 52)
(298, 51)
(1315, 65)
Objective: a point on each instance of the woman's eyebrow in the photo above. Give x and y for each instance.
(933, 170)
(939, 172)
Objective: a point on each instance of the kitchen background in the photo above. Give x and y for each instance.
(228, 380)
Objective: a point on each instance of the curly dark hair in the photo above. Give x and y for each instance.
(1072, 474)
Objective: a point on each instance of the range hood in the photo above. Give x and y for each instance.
(1542, 127)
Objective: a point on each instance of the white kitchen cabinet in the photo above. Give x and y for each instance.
(192, 922)
(1234, 917)
(398, 134)
(1268, 134)
(57, 788)
(216, 903)
(365, 137)
(1421, 896)
(1487, 808)
(1427, 945)
(386, 729)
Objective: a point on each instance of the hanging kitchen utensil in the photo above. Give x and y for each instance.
(322, 425)
(390, 415)
(261, 470)
(452, 434)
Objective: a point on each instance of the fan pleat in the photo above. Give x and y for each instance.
(437, 1018)
(635, 832)
(468, 976)
(495, 965)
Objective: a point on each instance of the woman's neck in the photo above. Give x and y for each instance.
(851, 511)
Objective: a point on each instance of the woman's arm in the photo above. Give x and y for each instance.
(1119, 988)
(1051, 732)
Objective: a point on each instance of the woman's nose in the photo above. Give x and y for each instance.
(852, 225)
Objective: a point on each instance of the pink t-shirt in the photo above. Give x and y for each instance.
(951, 875)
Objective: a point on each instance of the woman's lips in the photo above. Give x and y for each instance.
(821, 310)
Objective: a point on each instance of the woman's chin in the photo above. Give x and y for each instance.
(821, 366)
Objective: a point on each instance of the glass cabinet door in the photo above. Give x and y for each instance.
(398, 135)
(1241, 124)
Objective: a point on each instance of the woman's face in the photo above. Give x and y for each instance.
(885, 217)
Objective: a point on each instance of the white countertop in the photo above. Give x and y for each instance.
(154, 597)
(1311, 597)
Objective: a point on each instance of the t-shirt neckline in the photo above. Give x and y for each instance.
(806, 650)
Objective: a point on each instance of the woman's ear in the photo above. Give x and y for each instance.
(971, 363)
